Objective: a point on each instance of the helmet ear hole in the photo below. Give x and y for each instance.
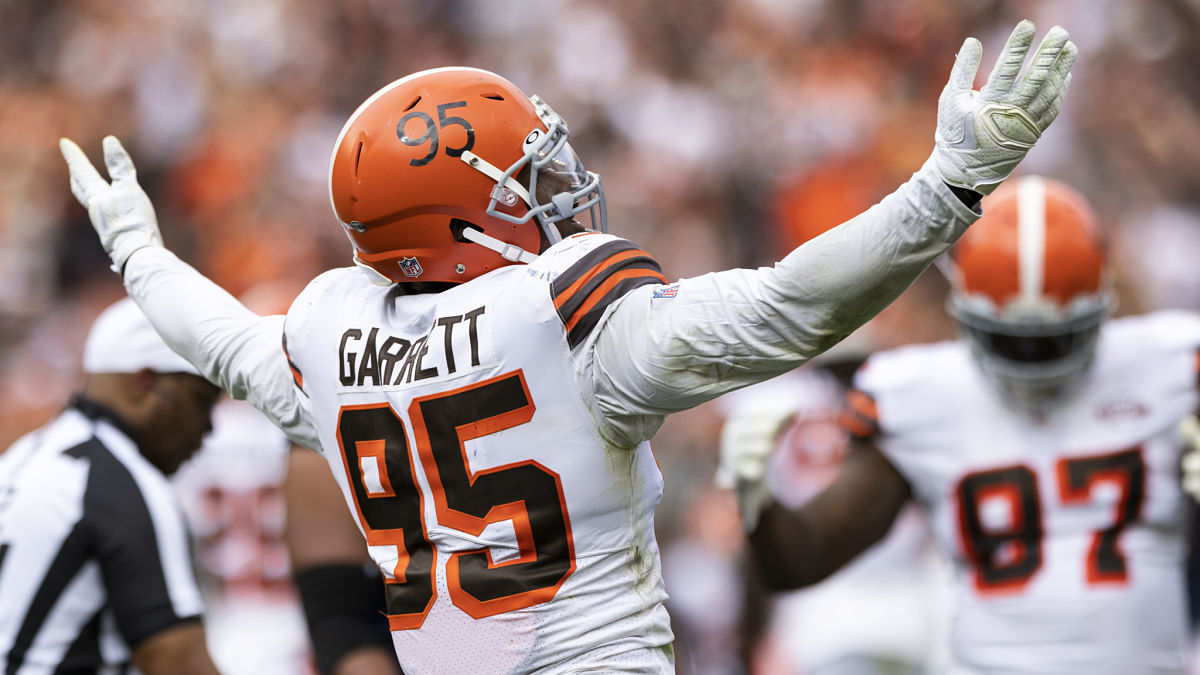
(457, 225)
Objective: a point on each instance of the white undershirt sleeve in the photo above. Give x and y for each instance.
(234, 348)
(722, 331)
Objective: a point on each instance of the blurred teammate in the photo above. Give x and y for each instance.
(95, 571)
(232, 496)
(1043, 447)
(486, 392)
(823, 629)
(280, 557)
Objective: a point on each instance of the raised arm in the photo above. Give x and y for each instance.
(726, 330)
(233, 347)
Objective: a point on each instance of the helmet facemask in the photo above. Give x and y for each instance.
(549, 177)
(1030, 291)
(1036, 361)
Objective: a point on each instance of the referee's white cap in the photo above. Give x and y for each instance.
(123, 341)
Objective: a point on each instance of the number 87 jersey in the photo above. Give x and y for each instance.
(511, 535)
(1069, 533)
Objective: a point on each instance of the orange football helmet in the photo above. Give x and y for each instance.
(449, 173)
(1030, 289)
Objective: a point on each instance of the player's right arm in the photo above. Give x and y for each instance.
(179, 650)
(233, 347)
(793, 548)
(343, 605)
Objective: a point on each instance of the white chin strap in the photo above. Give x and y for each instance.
(510, 252)
(488, 169)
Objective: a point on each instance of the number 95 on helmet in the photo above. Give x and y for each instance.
(450, 173)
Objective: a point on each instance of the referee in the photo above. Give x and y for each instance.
(95, 569)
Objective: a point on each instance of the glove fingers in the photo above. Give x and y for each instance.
(86, 182)
(1004, 73)
(1041, 65)
(1055, 84)
(1047, 116)
(120, 166)
(966, 66)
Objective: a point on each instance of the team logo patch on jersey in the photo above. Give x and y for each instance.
(1122, 410)
(411, 267)
(666, 291)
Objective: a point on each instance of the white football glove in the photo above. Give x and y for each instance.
(983, 135)
(1189, 429)
(747, 440)
(120, 212)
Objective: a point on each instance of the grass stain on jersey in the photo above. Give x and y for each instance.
(641, 563)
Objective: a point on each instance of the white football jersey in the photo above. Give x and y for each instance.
(525, 546)
(232, 495)
(899, 577)
(511, 545)
(1069, 534)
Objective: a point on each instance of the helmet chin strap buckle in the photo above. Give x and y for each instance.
(504, 195)
(486, 168)
(510, 252)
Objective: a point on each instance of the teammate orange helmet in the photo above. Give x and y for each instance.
(1030, 288)
(450, 173)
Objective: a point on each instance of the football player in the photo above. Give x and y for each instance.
(822, 628)
(485, 393)
(231, 495)
(1042, 447)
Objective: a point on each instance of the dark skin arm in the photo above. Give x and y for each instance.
(795, 548)
(320, 530)
(178, 650)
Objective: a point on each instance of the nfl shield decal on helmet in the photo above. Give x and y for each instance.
(410, 267)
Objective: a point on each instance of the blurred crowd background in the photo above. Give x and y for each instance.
(726, 133)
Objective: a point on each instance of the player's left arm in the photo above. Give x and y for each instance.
(233, 347)
(656, 355)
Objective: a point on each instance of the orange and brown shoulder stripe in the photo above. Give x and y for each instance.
(859, 415)
(1196, 370)
(297, 376)
(595, 281)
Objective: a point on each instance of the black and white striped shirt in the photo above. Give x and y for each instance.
(94, 550)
